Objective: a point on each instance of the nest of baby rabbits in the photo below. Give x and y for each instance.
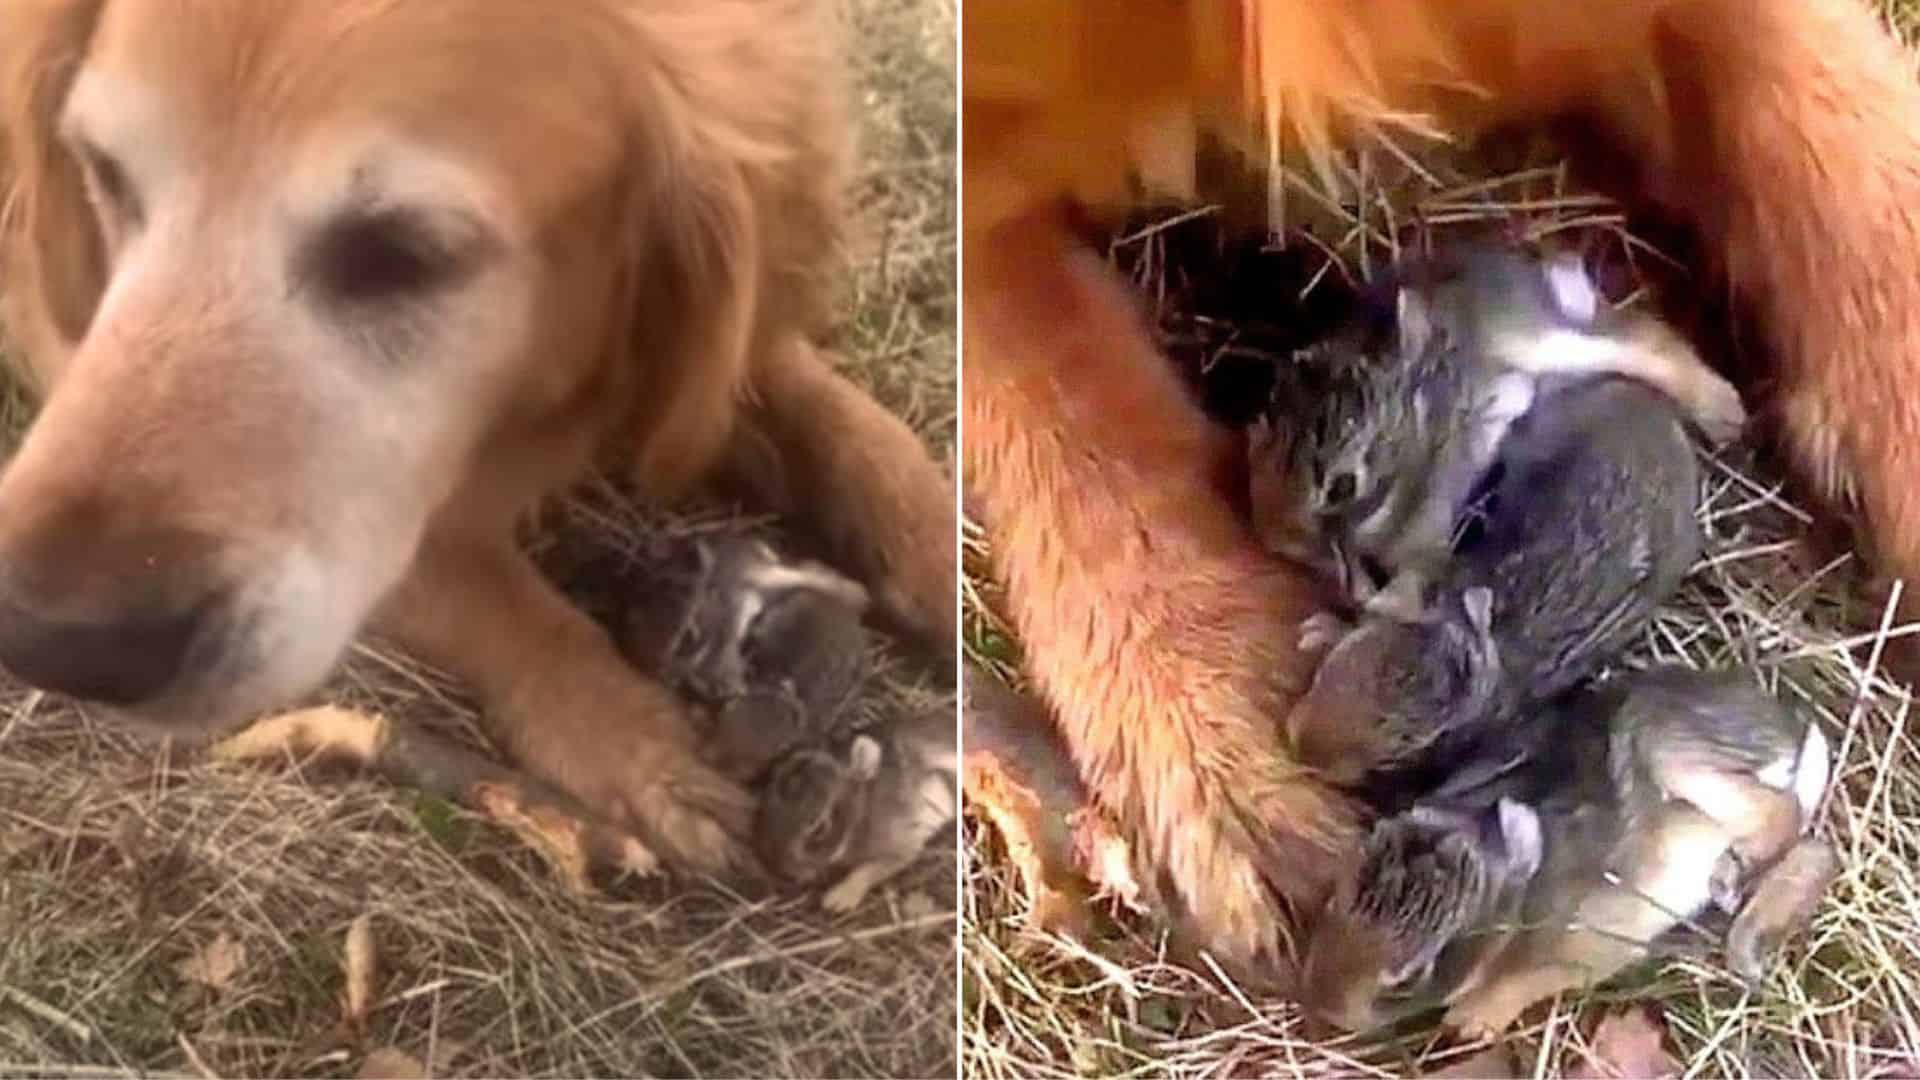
(1772, 594)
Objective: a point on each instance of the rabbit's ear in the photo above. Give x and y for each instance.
(1574, 293)
(1414, 318)
(704, 557)
(1478, 602)
(863, 757)
(1520, 836)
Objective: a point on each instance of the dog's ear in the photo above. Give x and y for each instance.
(696, 259)
(722, 243)
(52, 259)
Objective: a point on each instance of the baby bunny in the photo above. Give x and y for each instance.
(1554, 864)
(1588, 525)
(752, 610)
(861, 807)
(776, 647)
(1381, 436)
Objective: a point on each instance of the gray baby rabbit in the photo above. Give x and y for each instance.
(1588, 526)
(751, 608)
(1367, 469)
(860, 808)
(1552, 865)
(775, 646)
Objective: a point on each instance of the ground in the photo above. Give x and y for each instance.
(162, 915)
(1770, 594)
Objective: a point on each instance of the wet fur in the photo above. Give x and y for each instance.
(1782, 131)
(659, 188)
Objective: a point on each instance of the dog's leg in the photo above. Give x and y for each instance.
(1164, 638)
(566, 706)
(814, 445)
(1798, 155)
(1019, 777)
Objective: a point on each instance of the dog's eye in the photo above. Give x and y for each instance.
(109, 180)
(379, 255)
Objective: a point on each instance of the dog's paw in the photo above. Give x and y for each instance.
(655, 788)
(1239, 926)
(701, 817)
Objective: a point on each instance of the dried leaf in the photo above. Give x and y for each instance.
(388, 1063)
(1493, 1063)
(1628, 1046)
(216, 963)
(361, 970)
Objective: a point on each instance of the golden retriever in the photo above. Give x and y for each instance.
(1785, 133)
(324, 295)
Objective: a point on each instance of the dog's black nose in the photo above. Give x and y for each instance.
(122, 658)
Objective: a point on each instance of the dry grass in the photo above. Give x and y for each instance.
(1846, 999)
(120, 865)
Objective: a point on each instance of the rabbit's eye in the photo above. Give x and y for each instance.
(1375, 572)
(793, 784)
(1324, 427)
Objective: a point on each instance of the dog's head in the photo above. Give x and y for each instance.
(298, 280)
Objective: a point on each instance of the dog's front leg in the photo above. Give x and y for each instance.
(1019, 777)
(1162, 635)
(812, 444)
(562, 701)
(1800, 163)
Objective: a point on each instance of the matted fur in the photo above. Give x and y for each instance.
(1786, 133)
(628, 208)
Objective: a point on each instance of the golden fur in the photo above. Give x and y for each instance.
(1786, 133)
(323, 296)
